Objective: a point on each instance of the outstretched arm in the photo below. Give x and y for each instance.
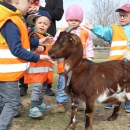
(104, 33)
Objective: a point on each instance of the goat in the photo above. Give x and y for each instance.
(106, 82)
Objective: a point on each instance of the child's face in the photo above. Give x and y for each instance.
(73, 22)
(42, 24)
(21, 5)
(124, 17)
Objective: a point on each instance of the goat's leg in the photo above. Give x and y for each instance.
(72, 124)
(115, 112)
(89, 114)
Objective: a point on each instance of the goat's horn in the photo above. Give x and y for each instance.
(69, 29)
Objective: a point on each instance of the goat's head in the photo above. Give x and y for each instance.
(65, 45)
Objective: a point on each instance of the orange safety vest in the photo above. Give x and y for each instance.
(41, 71)
(119, 43)
(13, 68)
(83, 36)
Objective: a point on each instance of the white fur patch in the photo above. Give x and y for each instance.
(111, 90)
(118, 95)
(72, 104)
(103, 96)
(127, 55)
(121, 96)
(74, 119)
(119, 88)
(103, 75)
(67, 67)
(97, 92)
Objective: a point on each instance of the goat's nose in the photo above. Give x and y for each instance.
(49, 52)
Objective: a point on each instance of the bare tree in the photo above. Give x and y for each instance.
(103, 13)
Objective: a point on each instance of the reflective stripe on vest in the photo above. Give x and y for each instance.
(119, 43)
(38, 70)
(13, 68)
(7, 54)
(42, 70)
(60, 60)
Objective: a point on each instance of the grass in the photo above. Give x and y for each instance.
(57, 121)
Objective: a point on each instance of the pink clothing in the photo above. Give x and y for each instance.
(89, 43)
(74, 12)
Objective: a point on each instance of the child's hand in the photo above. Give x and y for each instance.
(88, 26)
(40, 49)
(46, 58)
(45, 41)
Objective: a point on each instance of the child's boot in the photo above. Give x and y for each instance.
(35, 112)
(61, 108)
(44, 107)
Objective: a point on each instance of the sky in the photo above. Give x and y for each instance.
(85, 4)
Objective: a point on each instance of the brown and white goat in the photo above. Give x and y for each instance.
(106, 82)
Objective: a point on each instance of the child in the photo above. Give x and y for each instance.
(40, 73)
(74, 16)
(119, 37)
(14, 56)
(55, 9)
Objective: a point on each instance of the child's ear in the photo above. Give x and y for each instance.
(50, 24)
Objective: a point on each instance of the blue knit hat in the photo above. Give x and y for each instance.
(31, 17)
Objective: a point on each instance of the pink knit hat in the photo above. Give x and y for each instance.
(74, 12)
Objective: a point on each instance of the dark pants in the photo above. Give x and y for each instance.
(22, 86)
(49, 86)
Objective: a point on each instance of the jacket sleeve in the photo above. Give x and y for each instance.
(104, 33)
(56, 12)
(89, 48)
(13, 40)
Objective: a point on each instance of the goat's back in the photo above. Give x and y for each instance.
(92, 79)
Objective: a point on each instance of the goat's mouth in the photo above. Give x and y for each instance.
(53, 57)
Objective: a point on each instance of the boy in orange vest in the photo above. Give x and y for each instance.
(74, 16)
(119, 37)
(41, 73)
(14, 56)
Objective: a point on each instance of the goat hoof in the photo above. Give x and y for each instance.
(70, 127)
(110, 119)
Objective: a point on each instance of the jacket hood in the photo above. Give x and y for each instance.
(7, 10)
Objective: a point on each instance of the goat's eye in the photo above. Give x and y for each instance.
(72, 40)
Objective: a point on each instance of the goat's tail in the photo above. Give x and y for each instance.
(127, 56)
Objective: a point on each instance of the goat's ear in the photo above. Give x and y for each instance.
(72, 39)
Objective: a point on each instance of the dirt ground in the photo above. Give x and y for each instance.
(57, 121)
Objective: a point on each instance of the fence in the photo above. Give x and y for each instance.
(102, 49)
(101, 54)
